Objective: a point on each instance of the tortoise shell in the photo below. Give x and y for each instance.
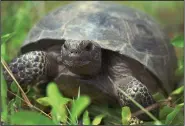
(115, 27)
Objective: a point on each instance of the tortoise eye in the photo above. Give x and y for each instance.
(89, 47)
(65, 46)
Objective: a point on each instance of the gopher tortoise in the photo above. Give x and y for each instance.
(98, 47)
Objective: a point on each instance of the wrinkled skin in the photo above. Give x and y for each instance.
(83, 63)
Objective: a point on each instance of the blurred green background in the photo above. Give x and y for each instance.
(19, 16)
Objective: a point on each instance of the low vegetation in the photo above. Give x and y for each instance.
(62, 110)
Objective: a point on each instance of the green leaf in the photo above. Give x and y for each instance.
(180, 105)
(157, 123)
(53, 92)
(112, 114)
(150, 123)
(4, 98)
(172, 117)
(178, 41)
(86, 119)
(45, 101)
(97, 119)
(14, 88)
(165, 111)
(126, 115)
(178, 91)
(55, 116)
(78, 107)
(58, 104)
(180, 69)
(29, 118)
(5, 37)
(3, 51)
(158, 96)
(11, 106)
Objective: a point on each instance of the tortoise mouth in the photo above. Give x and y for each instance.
(75, 63)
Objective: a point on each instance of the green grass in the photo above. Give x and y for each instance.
(16, 22)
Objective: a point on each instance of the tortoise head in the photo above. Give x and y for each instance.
(82, 57)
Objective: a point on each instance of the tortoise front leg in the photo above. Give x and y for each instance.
(139, 92)
(32, 68)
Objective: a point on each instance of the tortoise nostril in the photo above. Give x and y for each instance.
(74, 52)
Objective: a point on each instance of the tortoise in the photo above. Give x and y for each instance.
(100, 47)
